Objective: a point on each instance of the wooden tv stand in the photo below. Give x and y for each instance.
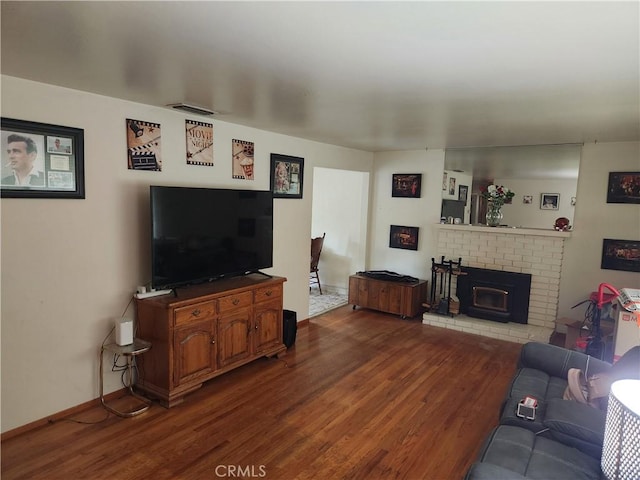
(205, 331)
(400, 298)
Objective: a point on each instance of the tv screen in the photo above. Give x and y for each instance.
(203, 234)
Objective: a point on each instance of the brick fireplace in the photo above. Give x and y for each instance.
(529, 251)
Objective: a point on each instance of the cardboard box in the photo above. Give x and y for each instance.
(627, 333)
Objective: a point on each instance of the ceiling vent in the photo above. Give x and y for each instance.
(191, 109)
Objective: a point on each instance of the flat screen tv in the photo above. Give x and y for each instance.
(203, 234)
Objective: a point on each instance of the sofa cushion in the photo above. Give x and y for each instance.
(520, 451)
(576, 424)
(536, 384)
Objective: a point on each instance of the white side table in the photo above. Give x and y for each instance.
(138, 347)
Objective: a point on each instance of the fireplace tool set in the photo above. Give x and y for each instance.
(442, 301)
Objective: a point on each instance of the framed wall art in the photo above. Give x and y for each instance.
(143, 145)
(287, 174)
(403, 237)
(549, 201)
(40, 160)
(406, 185)
(463, 192)
(199, 143)
(620, 255)
(242, 159)
(623, 187)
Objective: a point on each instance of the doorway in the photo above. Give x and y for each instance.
(340, 208)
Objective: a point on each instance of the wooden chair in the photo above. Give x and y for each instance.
(316, 250)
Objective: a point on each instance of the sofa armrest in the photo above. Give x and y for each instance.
(576, 424)
(489, 471)
(556, 361)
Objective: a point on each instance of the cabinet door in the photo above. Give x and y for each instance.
(194, 351)
(267, 325)
(234, 337)
(385, 296)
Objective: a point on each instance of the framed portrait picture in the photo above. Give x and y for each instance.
(549, 201)
(463, 193)
(403, 237)
(623, 187)
(452, 185)
(406, 185)
(620, 255)
(287, 173)
(40, 160)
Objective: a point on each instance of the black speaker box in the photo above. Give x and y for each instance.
(289, 327)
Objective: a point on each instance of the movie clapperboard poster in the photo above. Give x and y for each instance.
(199, 143)
(143, 145)
(242, 153)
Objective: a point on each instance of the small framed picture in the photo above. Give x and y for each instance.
(452, 185)
(403, 237)
(406, 185)
(287, 174)
(463, 192)
(623, 187)
(549, 201)
(527, 199)
(41, 160)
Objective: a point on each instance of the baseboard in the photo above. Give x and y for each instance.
(59, 415)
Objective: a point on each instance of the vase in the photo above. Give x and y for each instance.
(494, 215)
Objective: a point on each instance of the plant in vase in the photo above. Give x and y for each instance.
(497, 196)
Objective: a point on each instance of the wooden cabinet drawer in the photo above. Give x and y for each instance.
(239, 300)
(197, 312)
(268, 293)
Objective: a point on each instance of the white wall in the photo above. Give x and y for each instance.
(519, 214)
(595, 220)
(422, 212)
(340, 210)
(70, 266)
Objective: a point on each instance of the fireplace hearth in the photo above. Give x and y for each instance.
(494, 294)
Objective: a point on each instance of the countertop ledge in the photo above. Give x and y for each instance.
(542, 232)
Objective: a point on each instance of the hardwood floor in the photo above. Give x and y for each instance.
(361, 395)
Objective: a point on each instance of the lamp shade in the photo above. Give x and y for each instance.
(621, 449)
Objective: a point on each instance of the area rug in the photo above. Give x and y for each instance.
(323, 303)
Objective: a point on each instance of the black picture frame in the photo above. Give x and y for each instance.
(55, 152)
(287, 175)
(620, 255)
(407, 185)
(403, 237)
(463, 193)
(623, 187)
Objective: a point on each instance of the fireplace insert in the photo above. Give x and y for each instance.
(494, 294)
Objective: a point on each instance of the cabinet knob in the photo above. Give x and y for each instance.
(213, 341)
(268, 293)
(196, 312)
(256, 326)
(235, 301)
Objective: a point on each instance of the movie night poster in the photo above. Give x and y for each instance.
(199, 143)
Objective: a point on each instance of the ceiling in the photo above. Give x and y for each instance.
(374, 76)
